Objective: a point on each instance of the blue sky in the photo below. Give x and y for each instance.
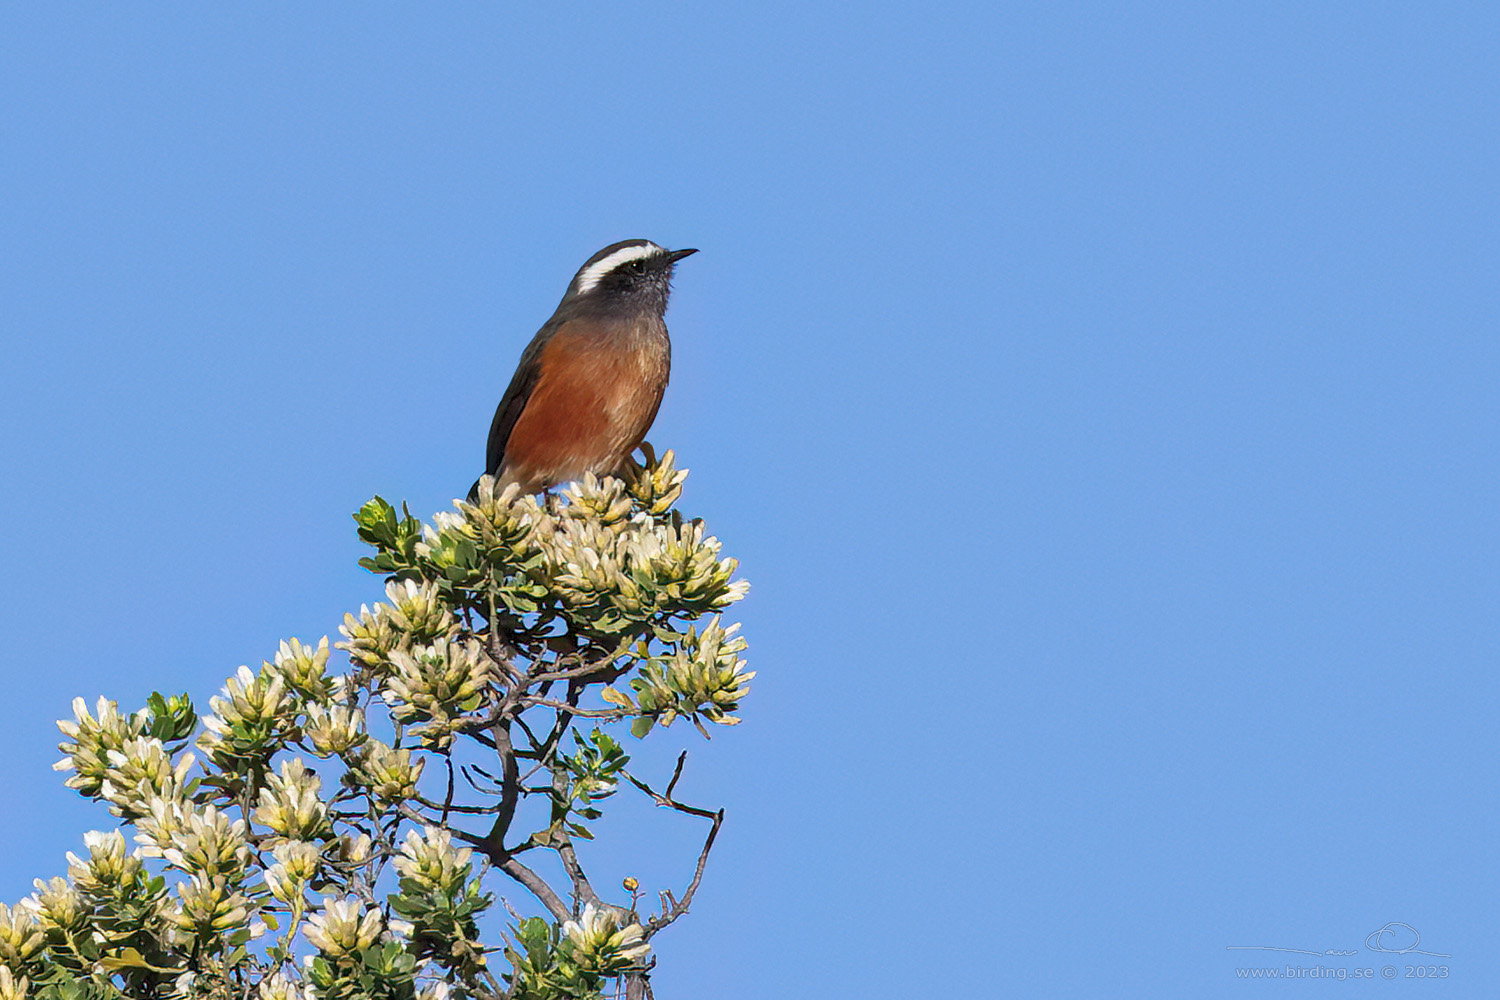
(1102, 402)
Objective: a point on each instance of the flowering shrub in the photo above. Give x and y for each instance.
(286, 849)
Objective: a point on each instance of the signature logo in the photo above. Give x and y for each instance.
(1395, 938)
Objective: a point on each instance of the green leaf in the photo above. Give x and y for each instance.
(129, 958)
(377, 521)
(614, 697)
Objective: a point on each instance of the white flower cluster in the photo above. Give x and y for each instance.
(391, 775)
(435, 685)
(113, 759)
(251, 719)
(704, 676)
(59, 906)
(334, 729)
(430, 860)
(297, 863)
(89, 742)
(599, 942)
(278, 987)
(109, 864)
(208, 843)
(289, 804)
(626, 571)
(343, 927)
(305, 670)
(12, 987)
(208, 903)
(416, 614)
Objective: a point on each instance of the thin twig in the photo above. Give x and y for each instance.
(574, 673)
(446, 808)
(525, 728)
(497, 649)
(487, 776)
(613, 714)
(671, 906)
(676, 773)
(665, 799)
(681, 907)
(448, 798)
(598, 664)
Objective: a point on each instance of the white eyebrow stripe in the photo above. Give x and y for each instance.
(595, 272)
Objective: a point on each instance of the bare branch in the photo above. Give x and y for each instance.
(612, 714)
(537, 887)
(665, 799)
(681, 907)
(506, 862)
(671, 906)
(602, 665)
(582, 888)
(487, 776)
(510, 785)
(448, 797)
(499, 651)
(585, 670)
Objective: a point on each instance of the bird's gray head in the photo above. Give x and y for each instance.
(630, 274)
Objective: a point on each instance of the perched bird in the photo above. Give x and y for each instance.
(591, 380)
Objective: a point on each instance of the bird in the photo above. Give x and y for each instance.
(589, 384)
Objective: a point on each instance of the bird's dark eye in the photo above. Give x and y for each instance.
(638, 266)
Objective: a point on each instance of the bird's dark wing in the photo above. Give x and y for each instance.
(509, 411)
(514, 401)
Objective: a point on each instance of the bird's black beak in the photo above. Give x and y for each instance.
(677, 255)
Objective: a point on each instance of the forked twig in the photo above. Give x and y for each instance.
(671, 906)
